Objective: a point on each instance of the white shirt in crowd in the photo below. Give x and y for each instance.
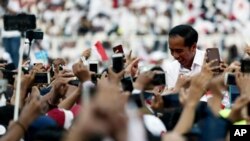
(174, 69)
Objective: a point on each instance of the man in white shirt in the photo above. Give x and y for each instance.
(188, 59)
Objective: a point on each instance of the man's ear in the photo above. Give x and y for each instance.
(193, 47)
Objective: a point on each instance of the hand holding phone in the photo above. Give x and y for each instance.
(42, 78)
(213, 54)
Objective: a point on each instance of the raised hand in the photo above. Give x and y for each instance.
(86, 53)
(242, 81)
(132, 67)
(81, 71)
(143, 80)
(182, 81)
(236, 112)
(115, 77)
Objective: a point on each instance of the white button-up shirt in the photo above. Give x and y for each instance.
(174, 69)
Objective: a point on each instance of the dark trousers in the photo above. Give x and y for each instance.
(12, 45)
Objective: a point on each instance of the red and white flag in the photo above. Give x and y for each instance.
(101, 51)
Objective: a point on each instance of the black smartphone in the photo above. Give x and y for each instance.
(38, 35)
(9, 75)
(42, 78)
(74, 82)
(127, 84)
(93, 66)
(21, 22)
(159, 79)
(245, 65)
(229, 79)
(118, 49)
(10, 66)
(118, 63)
(212, 54)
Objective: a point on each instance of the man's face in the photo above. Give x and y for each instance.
(180, 52)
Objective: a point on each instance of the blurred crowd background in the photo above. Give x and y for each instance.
(70, 26)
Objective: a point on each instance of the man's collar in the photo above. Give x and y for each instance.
(198, 59)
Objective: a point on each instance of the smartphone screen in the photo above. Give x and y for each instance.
(118, 49)
(212, 54)
(230, 79)
(93, 66)
(245, 65)
(127, 84)
(74, 82)
(118, 63)
(42, 78)
(233, 93)
(159, 79)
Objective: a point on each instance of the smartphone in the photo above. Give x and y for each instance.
(127, 84)
(21, 22)
(159, 79)
(118, 63)
(9, 76)
(245, 65)
(42, 78)
(229, 79)
(234, 93)
(118, 49)
(74, 82)
(148, 95)
(212, 54)
(93, 66)
(10, 66)
(38, 35)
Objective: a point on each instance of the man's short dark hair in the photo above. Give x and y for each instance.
(189, 34)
